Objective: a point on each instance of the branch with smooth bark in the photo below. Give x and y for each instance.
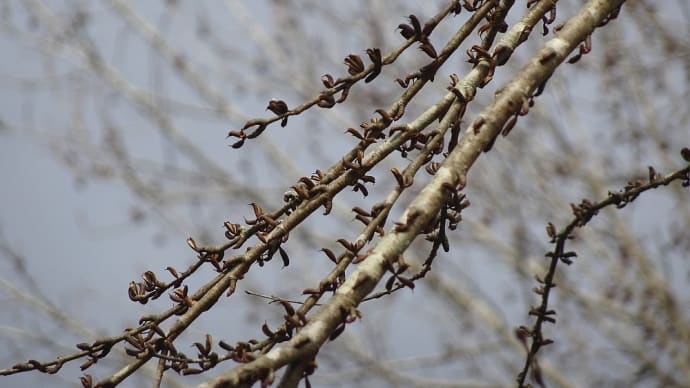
(451, 176)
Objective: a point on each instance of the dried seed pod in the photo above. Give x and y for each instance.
(301, 191)
(328, 206)
(279, 107)
(428, 49)
(551, 230)
(327, 80)
(652, 174)
(173, 272)
(685, 154)
(326, 100)
(289, 310)
(192, 244)
(406, 30)
(354, 63)
(284, 257)
(346, 244)
(368, 179)
(344, 94)
(355, 133)
(416, 26)
(375, 56)
(406, 282)
(330, 255)
(398, 177)
(361, 212)
(385, 117)
(362, 219)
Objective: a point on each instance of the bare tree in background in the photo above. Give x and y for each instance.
(360, 261)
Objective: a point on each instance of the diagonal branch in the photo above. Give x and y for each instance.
(479, 137)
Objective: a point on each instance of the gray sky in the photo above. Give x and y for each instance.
(76, 231)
